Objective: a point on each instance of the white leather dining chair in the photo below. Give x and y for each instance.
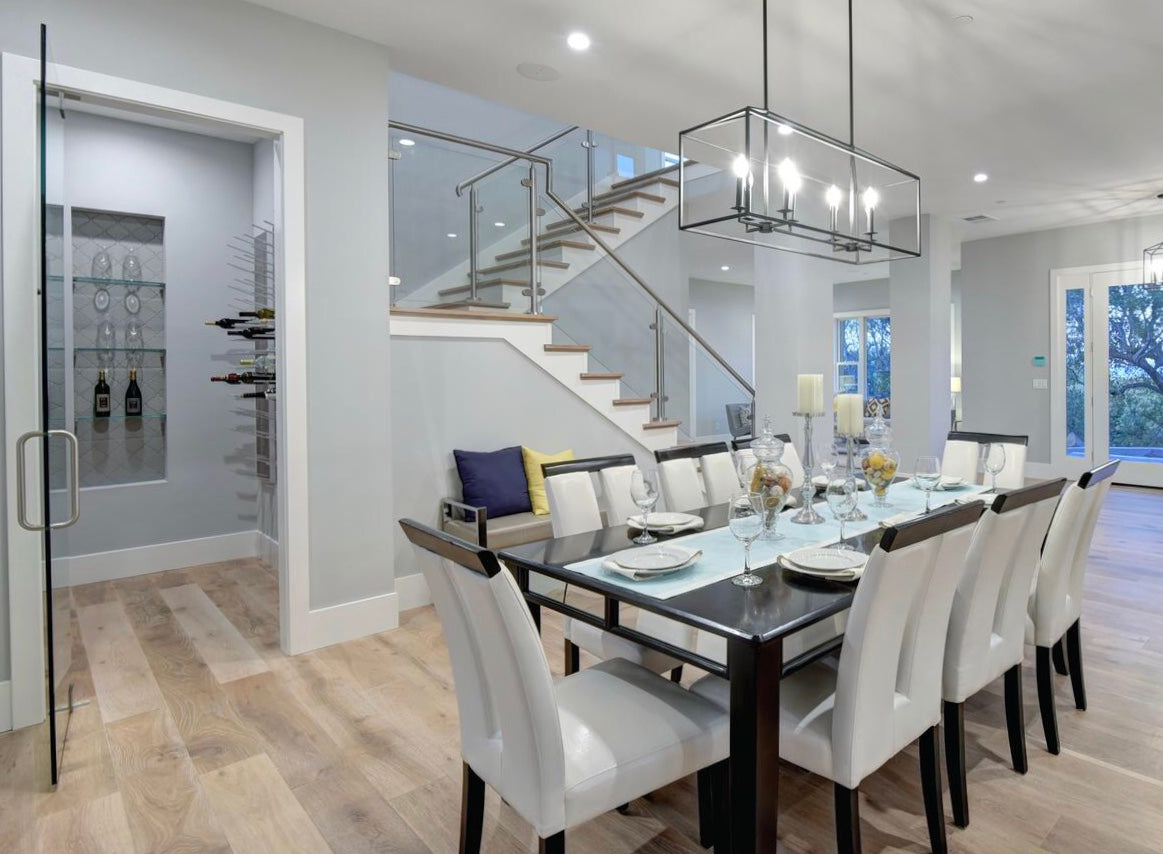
(573, 509)
(987, 624)
(679, 479)
(1055, 606)
(963, 453)
(615, 480)
(843, 720)
(558, 754)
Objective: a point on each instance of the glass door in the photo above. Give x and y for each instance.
(1108, 401)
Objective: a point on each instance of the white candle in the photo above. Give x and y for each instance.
(850, 414)
(810, 393)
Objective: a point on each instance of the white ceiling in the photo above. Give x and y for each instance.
(1053, 98)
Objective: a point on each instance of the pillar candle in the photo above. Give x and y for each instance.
(810, 393)
(850, 414)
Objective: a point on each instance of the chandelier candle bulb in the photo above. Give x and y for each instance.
(850, 414)
(742, 170)
(810, 393)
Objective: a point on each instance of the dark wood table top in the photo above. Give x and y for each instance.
(784, 603)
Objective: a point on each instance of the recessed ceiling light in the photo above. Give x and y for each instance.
(452, 234)
(980, 177)
(578, 41)
(499, 224)
(963, 20)
(725, 268)
(786, 130)
(407, 143)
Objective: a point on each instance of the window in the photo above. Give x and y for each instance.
(864, 355)
(669, 159)
(625, 166)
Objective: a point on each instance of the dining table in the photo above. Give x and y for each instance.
(753, 621)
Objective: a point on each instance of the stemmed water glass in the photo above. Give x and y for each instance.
(928, 474)
(745, 519)
(841, 497)
(829, 460)
(644, 492)
(993, 460)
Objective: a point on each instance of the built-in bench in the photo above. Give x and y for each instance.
(501, 532)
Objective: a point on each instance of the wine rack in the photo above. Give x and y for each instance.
(251, 313)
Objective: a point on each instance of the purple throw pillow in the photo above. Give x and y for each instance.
(495, 480)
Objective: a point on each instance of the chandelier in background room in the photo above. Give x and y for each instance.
(756, 177)
(1153, 262)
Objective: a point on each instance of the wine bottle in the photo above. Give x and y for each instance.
(257, 333)
(261, 364)
(269, 394)
(133, 396)
(102, 399)
(260, 313)
(231, 322)
(246, 377)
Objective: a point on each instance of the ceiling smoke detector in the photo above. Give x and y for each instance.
(980, 218)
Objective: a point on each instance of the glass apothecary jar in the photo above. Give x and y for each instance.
(769, 477)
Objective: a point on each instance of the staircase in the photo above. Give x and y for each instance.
(532, 336)
(564, 250)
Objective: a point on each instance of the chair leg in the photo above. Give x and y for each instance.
(553, 845)
(1016, 718)
(954, 720)
(721, 794)
(676, 674)
(1058, 653)
(847, 805)
(706, 807)
(931, 787)
(1074, 657)
(572, 658)
(472, 812)
(1046, 698)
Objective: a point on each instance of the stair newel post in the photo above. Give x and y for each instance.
(589, 145)
(659, 365)
(473, 236)
(534, 267)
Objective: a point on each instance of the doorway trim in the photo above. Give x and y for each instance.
(19, 78)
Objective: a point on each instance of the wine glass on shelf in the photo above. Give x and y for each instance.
(928, 474)
(644, 492)
(745, 515)
(102, 267)
(841, 497)
(993, 460)
(131, 267)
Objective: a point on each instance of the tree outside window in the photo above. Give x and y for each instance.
(864, 356)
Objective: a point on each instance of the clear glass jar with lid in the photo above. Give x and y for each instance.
(769, 477)
(879, 461)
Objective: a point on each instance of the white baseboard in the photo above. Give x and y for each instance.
(5, 706)
(142, 560)
(268, 549)
(351, 620)
(413, 591)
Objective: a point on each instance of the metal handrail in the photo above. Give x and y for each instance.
(496, 167)
(584, 226)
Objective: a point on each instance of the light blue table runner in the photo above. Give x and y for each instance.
(723, 554)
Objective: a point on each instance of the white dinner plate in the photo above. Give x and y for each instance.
(664, 520)
(951, 482)
(846, 575)
(656, 558)
(826, 559)
(821, 482)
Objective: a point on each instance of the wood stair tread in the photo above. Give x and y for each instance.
(567, 348)
(453, 310)
(544, 245)
(661, 425)
(647, 178)
(471, 305)
(633, 401)
(623, 195)
(488, 283)
(518, 264)
(568, 225)
(601, 375)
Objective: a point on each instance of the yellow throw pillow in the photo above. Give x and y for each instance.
(533, 460)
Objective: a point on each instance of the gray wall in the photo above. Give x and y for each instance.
(477, 396)
(202, 188)
(860, 296)
(338, 84)
(1006, 318)
(723, 315)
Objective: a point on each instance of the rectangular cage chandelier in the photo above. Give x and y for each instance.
(756, 177)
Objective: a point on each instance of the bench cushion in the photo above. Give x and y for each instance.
(504, 531)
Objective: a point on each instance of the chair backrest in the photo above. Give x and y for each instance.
(740, 417)
(987, 624)
(888, 691)
(720, 477)
(1058, 592)
(615, 482)
(678, 474)
(503, 684)
(963, 451)
(573, 501)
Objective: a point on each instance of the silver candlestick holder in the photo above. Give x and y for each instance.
(807, 514)
(857, 515)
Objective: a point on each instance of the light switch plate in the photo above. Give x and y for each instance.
(1041, 383)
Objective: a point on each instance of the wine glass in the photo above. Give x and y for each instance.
(106, 341)
(644, 492)
(829, 460)
(928, 474)
(102, 265)
(993, 460)
(134, 343)
(841, 497)
(131, 267)
(745, 519)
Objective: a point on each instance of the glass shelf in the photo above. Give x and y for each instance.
(127, 283)
(110, 349)
(147, 416)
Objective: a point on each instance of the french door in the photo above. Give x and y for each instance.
(1107, 383)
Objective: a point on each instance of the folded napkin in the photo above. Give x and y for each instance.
(611, 565)
(695, 523)
(845, 575)
(987, 497)
(898, 519)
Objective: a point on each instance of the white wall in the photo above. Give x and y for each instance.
(866, 295)
(202, 188)
(724, 315)
(477, 396)
(1006, 320)
(338, 84)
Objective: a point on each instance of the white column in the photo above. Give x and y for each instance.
(919, 300)
(793, 335)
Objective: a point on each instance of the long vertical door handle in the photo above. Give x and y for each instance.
(74, 478)
(21, 482)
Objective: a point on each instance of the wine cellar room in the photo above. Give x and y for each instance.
(161, 278)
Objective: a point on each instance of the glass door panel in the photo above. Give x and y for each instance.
(1134, 377)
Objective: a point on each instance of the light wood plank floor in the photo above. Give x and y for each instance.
(200, 735)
